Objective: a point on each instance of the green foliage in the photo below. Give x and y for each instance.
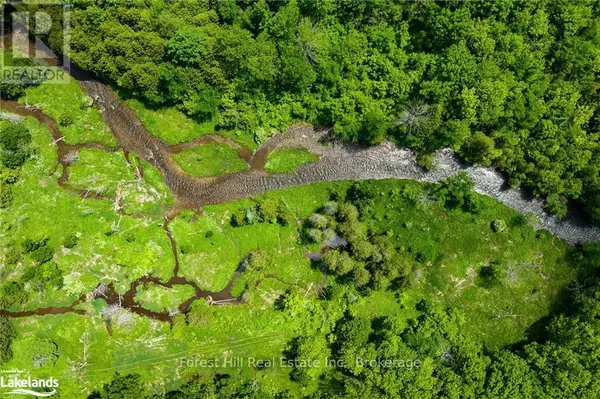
(122, 387)
(457, 192)
(310, 356)
(499, 226)
(42, 255)
(42, 352)
(30, 245)
(187, 47)
(70, 241)
(12, 293)
(12, 90)
(66, 120)
(7, 335)
(318, 221)
(511, 85)
(480, 149)
(13, 145)
(267, 211)
(6, 197)
(257, 260)
(44, 277)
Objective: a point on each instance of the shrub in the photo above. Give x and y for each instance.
(472, 204)
(238, 218)
(267, 211)
(330, 208)
(44, 277)
(65, 119)
(338, 262)
(251, 216)
(492, 275)
(12, 257)
(42, 255)
(30, 245)
(455, 192)
(12, 293)
(362, 249)
(361, 276)
(7, 334)
(347, 212)
(285, 217)
(71, 240)
(314, 235)
(257, 260)
(318, 221)
(87, 102)
(6, 197)
(499, 226)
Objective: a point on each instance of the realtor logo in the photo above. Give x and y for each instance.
(25, 25)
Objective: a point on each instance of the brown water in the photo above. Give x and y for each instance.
(338, 162)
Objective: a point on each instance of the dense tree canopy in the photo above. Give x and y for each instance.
(512, 84)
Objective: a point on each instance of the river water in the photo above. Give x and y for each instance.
(338, 161)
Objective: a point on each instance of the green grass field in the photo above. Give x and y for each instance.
(100, 171)
(211, 159)
(286, 160)
(174, 127)
(69, 106)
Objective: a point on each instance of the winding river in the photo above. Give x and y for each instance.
(338, 161)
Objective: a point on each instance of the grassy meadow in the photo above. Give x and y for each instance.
(211, 159)
(287, 160)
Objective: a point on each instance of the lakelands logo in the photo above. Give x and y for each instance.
(22, 386)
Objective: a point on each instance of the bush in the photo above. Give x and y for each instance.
(251, 216)
(257, 260)
(318, 221)
(499, 226)
(30, 245)
(314, 235)
(12, 293)
(42, 255)
(492, 275)
(338, 262)
(87, 102)
(7, 334)
(347, 212)
(267, 211)
(472, 204)
(361, 276)
(44, 277)
(330, 208)
(12, 257)
(70, 241)
(362, 249)
(6, 197)
(238, 219)
(285, 217)
(65, 119)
